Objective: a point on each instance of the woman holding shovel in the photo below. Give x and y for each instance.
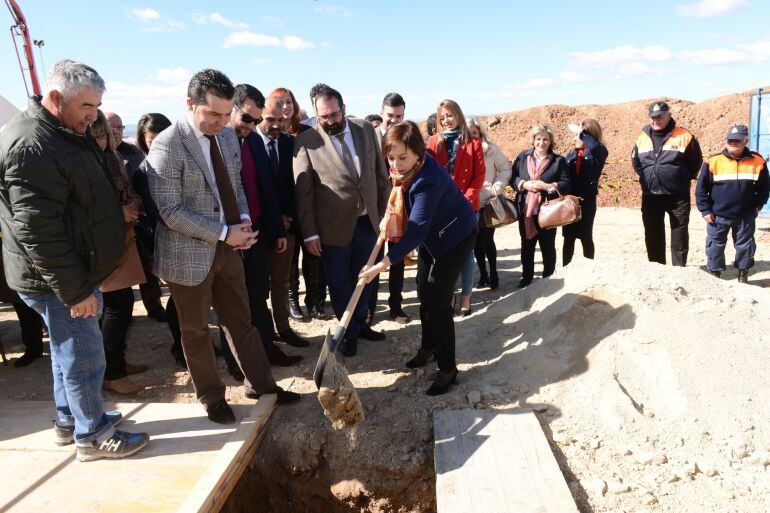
(426, 209)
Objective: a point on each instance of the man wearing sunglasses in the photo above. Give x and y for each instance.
(341, 189)
(258, 185)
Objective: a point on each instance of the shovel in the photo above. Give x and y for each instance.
(336, 393)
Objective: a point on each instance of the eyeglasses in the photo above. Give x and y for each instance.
(328, 117)
(121, 127)
(246, 118)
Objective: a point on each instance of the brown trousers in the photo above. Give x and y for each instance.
(224, 288)
(280, 270)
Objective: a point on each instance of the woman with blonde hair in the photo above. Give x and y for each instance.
(498, 174)
(457, 151)
(538, 173)
(585, 164)
(117, 288)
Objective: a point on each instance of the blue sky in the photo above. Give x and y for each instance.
(490, 56)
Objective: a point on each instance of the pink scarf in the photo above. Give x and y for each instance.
(533, 198)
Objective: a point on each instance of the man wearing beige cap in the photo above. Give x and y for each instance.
(732, 187)
(666, 157)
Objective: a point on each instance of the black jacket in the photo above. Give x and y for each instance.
(556, 172)
(62, 224)
(586, 183)
(666, 170)
(283, 177)
(132, 157)
(270, 222)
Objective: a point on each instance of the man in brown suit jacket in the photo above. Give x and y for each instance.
(342, 188)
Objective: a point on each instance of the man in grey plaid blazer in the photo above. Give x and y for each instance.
(194, 177)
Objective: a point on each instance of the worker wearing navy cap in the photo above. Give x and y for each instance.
(667, 158)
(732, 187)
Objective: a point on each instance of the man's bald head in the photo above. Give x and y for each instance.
(272, 118)
(116, 126)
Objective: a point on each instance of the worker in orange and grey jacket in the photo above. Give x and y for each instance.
(666, 157)
(732, 187)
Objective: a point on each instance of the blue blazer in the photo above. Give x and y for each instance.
(440, 217)
(270, 221)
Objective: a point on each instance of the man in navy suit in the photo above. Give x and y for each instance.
(265, 214)
(277, 161)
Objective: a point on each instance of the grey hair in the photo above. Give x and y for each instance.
(474, 121)
(68, 77)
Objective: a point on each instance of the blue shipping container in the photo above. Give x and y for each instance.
(759, 130)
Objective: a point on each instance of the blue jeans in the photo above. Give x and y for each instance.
(77, 359)
(342, 265)
(743, 239)
(469, 267)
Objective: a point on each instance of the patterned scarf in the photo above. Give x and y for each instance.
(533, 198)
(451, 142)
(396, 218)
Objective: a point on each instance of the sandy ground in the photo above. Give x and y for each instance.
(612, 452)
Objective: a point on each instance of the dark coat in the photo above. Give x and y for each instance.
(283, 177)
(270, 224)
(440, 216)
(586, 183)
(556, 172)
(62, 224)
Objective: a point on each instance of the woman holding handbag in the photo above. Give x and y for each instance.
(461, 155)
(537, 173)
(426, 210)
(498, 174)
(117, 288)
(585, 164)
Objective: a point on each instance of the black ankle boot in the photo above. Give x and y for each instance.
(421, 358)
(494, 280)
(442, 382)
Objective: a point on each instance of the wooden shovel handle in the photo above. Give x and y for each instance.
(360, 285)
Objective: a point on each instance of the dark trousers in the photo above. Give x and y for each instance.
(223, 288)
(743, 240)
(583, 231)
(395, 286)
(173, 322)
(150, 290)
(280, 269)
(342, 264)
(654, 209)
(485, 249)
(547, 241)
(257, 271)
(312, 272)
(116, 318)
(31, 328)
(435, 287)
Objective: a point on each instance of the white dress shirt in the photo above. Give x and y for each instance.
(205, 145)
(266, 139)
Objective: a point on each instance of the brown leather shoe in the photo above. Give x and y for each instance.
(135, 368)
(122, 386)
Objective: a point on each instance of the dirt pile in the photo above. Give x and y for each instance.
(649, 381)
(621, 123)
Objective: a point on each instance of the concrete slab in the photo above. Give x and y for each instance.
(190, 465)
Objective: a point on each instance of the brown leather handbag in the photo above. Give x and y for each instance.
(560, 211)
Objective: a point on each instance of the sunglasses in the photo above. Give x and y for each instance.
(246, 118)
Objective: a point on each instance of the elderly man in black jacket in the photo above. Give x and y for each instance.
(62, 235)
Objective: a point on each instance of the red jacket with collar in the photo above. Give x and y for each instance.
(469, 166)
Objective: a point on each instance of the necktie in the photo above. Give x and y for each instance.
(347, 157)
(224, 185)
(273, 153)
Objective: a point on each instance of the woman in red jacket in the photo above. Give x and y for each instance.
(463, 157)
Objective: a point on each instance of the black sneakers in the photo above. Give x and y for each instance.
(66, 435)
(119, 445)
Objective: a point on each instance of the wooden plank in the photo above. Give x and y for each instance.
(184, 446)
(215, 486)
(496, 463)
